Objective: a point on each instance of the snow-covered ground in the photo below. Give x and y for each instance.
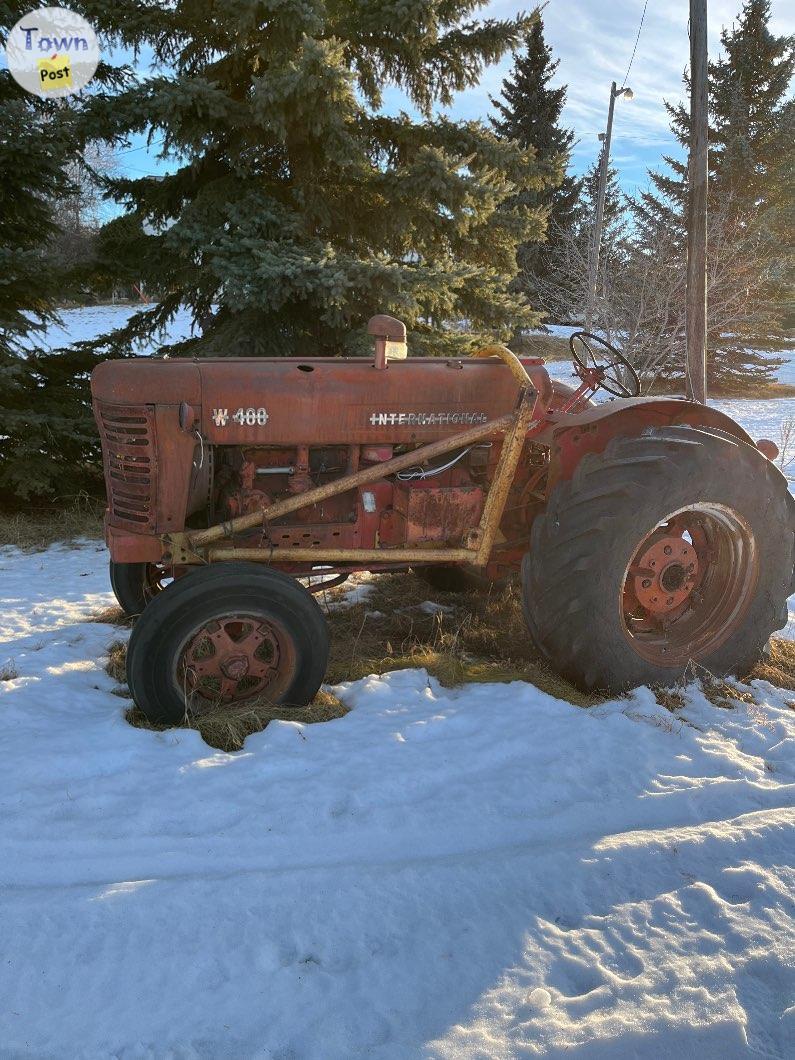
(87, 322)
(485, 872)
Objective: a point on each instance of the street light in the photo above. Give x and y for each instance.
(593, 264)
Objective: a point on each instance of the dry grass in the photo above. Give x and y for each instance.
(34, 529)
(672, 699)
(474, 637)
(719, 692)
(779, 668)
(478, 637)
(117, 661)
(227, 727)
(111, 616)
(8, 671)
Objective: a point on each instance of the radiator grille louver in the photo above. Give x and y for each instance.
(130, 466)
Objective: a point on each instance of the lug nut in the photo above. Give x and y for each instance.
(646, 583)
(667, 550)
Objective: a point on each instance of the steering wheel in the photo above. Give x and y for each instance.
(618, 377)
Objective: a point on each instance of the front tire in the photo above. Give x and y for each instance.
(229, 633)
(135, 584)
(666, 549)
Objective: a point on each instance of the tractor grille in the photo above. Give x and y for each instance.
(130, 465)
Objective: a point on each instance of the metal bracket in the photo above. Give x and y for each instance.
(178, 551)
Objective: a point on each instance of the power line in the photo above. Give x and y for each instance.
(632, 57)
(143, 147)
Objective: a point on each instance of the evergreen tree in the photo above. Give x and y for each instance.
(611, 247)
(750, 193)
(529, 112)
(749, 132)
(47, 438)
(32, 146)
(298, 208)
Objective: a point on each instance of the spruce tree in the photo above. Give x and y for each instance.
(611, 245)
(750, 194)
(33, 145)
(47, 439)
(297, 207)
(528, 112)
(748, 137)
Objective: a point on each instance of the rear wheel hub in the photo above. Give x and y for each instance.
(689, 584)
(665, 574)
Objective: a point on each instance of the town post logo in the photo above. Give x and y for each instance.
(55, 73)
(52, 52)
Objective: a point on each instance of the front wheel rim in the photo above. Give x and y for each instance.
(156, 578)
(688, 585)
(233, 658)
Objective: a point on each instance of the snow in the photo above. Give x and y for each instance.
(88, 322)
(468, 873)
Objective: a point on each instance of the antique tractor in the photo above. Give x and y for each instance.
(648, 533)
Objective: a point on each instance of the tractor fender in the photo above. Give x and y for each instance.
(571, 436)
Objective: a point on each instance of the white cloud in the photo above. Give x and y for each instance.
(593, 41)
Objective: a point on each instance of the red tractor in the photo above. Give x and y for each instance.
(647, 532)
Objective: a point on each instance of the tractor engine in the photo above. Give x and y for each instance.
(422, 505)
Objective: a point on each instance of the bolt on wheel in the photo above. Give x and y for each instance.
(689, 584)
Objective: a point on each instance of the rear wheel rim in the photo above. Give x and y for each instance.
(233, 658)
(689, 584)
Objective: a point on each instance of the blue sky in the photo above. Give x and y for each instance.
(594, 41)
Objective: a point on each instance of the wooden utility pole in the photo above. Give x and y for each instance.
(698, 173)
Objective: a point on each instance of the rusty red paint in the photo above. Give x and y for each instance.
(665, 574)
(428, 513)
(315, 420)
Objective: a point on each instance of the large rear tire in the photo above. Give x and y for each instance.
(666, 549)
(229, 633)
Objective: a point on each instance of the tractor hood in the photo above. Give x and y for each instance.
(287, 401)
